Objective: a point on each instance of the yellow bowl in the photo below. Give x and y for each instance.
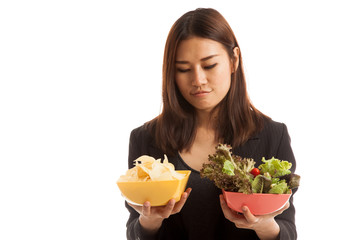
(158, 193)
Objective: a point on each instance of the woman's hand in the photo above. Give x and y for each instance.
(151, 218)
(265, 226)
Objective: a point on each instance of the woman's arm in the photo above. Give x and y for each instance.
(265, 226)
(281, 224)
(134, 230)
(145, 221)
(286, 220)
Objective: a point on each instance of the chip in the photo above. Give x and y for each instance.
(148, 169)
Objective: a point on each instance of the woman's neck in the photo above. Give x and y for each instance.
(206, 120)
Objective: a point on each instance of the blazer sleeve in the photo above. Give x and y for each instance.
(286, 220)
(134, 230)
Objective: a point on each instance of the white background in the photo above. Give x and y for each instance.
(77, 76)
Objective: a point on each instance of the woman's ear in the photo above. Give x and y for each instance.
(235, 60)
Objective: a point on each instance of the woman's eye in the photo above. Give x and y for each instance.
(210, 66)
(183, 70)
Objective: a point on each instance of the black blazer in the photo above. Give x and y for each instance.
(272, 141)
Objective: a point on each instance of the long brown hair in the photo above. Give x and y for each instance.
(175, 128)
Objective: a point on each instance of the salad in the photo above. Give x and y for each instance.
(235, 174)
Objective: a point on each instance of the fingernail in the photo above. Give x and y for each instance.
(244, 209)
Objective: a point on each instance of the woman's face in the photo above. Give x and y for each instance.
(203, 72)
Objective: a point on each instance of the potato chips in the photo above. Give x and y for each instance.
(148, 169)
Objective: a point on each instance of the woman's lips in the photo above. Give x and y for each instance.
(200, 93)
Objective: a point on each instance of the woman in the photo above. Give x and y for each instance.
(205, 102)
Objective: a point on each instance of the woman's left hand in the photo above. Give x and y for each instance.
(265, 226)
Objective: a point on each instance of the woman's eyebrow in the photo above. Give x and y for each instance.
(203, 59)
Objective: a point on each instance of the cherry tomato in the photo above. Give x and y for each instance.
(255, 172)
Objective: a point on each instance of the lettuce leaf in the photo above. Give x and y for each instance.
(232, 173)
(245, 164)
(228, 168)
(292, 179)
(261, 184)
(279, 188)
(275, 167)
(228, 171)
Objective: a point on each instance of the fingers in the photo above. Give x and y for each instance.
(179, 205)
(162, 212)
(173, 207)
(226, 210)
(146, 209)
(249, 216)
(165, 211)
(287, 205)
(247, 220)
(137, 208)
(228, 213)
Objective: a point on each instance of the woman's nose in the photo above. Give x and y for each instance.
(199, 77)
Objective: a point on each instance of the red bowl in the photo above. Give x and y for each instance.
(258, 203)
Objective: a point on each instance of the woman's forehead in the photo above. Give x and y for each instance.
(196, 48)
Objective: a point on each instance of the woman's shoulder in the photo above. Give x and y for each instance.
(271, 124)
(143, 141)
(140, 133)
(272, 128)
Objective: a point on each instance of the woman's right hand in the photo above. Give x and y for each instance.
(151, 218)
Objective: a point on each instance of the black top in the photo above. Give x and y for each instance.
(202, 217)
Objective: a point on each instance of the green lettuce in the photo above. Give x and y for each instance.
(228, 168)
(228, 171)
(279, 188)
(232, 173)
(261, 184)
(275, 167)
